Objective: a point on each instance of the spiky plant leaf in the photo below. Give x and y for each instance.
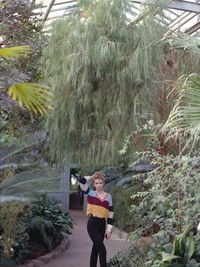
(36, 97)
(14, 52)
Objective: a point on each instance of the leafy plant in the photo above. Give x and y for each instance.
(184, 252)
(169, 199)
(39, 229)
(51, 211)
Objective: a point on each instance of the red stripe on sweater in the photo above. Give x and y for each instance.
(98, 202)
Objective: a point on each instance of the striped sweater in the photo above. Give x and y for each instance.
(98, 207)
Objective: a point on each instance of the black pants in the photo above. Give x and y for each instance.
(96, 231)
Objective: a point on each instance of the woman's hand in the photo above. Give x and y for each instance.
(107, 235)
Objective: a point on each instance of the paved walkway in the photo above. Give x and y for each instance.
(78, 252)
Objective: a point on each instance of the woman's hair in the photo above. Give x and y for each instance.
(98, 175)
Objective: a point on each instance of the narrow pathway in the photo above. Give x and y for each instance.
(78, 252)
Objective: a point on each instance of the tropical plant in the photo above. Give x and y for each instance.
(183, 123)
(184, 252)
(51, 211)
(32, 228)
(34, 96)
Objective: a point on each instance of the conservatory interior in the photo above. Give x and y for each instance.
(108, 91)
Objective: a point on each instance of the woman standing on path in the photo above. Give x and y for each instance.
(100, 222)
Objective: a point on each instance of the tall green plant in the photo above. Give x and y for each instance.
(96, 64)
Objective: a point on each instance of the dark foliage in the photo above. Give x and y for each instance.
(44, 224)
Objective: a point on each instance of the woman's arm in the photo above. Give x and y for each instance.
(110, 216)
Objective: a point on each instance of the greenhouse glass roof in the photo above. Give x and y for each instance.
(180, 15)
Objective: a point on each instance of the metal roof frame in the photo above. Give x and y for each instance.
(177, 8)
(179, 5)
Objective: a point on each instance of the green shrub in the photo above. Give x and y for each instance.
(37, 229)
(122, 200)
(172, 200)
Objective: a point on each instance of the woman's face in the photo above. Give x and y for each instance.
(98, 183)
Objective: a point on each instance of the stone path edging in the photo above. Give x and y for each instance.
(50, 256)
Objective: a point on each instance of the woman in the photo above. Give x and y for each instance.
(100, 222)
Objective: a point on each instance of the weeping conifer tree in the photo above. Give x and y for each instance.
(97, 62)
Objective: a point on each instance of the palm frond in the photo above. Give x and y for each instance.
(184, 118)
(3, 4)
(27, 183)
(13, 150)
(14, 52)
(36, 97)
